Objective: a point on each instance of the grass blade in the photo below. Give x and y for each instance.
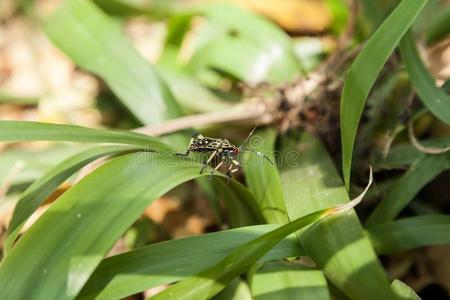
(162, 263)
(239, 203)
(310, 183)
(265, 52)
(122, 8)
(364, 71)
(190, 93)
(56, 256)
(410, 233)
(439, 27)
(42, 188)
(404, 291)
(283, 280)
(96, 43)
(434, 98)
(209, 282)
(238, 289)
(403, 155)
(263, 179)
(35, 162)
(420, 173)
(21, 131)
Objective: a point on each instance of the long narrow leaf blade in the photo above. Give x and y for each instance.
(410, 233)
(56, 256)
(263, 179)
(439, 27)
(36, 193)
(311, 183)
(211, 281)
(35, 161)
(419, 174)
(239, 203)
(162, 263)
(404, 291)
(21, 131)
(126, 274)
(96, 43)
(434, 98)
(364, 71)
(282, 280)
(238, 289)
(265, 53)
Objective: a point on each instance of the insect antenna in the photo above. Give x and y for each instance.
(258, 153)
(247, 138)
(242, 149)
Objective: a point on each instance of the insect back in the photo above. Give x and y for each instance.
(220, 152)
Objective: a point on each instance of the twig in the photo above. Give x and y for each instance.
(256, 112)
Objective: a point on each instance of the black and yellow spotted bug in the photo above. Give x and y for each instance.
(221, 148)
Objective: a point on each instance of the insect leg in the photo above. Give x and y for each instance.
(217, 167)
(194, 137)
(236, 165)
(208, 161)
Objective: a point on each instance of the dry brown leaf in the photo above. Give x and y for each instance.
(310, 16)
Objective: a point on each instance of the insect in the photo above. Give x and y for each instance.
(220, 148)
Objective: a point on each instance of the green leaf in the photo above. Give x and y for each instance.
(263, 179)
(121, 8)
(42, 188)
(190, 93)
(163, 263)
(240, 204)
(439, 26)
(96, 43)
(57, 255)
(35, 162)
(220, 55)
(434, 98)
(338, 244)
(403, 155)
(404, 190)
(236, 290)
(410, 233)
(283, 280)
(404, 291)
(18, 131)
(210, 281)
(372, 11)
(364, 71)
(265, 53)
(131, 8)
